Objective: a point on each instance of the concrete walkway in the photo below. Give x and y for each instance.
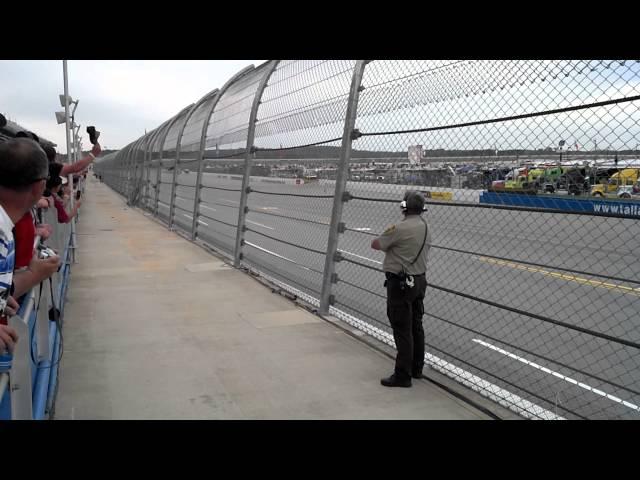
(157, 328)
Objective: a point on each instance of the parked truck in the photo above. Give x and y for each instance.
(625, 177)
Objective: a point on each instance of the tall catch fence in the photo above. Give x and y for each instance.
(291, 169)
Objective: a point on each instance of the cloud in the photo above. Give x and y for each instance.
(121, 98)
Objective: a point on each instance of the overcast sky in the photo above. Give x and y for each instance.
(121, 98)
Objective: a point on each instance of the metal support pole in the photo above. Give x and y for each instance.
(161, 150)
(69, 157)
(132, 171)
(142, 182)
(42, 322)
(176, 162)
(121, 171)
(242, 212)
(203, 139)
(341, 183)
(126, 170)
(139, 170)
(20, 373)
(146, 169)
(131, 160)
(159, 173)
(149, 163)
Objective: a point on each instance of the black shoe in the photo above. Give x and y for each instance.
(417, 375)
(394, 381)
(93, 135)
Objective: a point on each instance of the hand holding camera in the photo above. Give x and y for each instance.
(11, 308)
(96, 150)
(45, 252)
(47, 263)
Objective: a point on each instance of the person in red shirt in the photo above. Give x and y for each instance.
(29, 270)
(54, 185)
(25, 234)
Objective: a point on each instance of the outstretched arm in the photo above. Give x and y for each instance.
(81, 164)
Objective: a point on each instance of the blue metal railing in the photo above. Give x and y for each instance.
(43, 368)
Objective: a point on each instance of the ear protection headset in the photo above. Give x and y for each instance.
(407, 196)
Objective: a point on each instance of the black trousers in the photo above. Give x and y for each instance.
(405, 309)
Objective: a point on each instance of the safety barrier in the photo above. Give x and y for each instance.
(535, 308)
(28, 389)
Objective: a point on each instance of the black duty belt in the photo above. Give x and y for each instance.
(390, 275)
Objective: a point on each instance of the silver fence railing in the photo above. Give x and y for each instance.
(290, 170)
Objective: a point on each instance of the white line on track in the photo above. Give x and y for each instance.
(362, 229)
(364, 258)
(199, 221)
(230, 201)
(208, 208)
(260, 225)
(277, 255)
(559, 375)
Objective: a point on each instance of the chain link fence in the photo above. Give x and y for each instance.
(530, 171)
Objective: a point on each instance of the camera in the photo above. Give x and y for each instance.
(93, 134)
(45, 252)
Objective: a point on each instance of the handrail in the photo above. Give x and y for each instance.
(4, 381)
(30, 397)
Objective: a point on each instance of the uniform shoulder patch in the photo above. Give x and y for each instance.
(390, 229)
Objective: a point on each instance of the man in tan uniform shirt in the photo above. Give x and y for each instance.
(406, 245)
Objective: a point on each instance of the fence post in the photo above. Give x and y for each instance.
(20, 373)
(203, 140)
(119, 170)
(179, 150)
(50, 217)
(42, 324)
(242, 212)
(161, 153)
(138, 169)
(159, 175)
(127, 168)
(146, 173)
(341, 182)
(140, 184)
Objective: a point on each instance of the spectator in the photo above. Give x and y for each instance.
(29, 271)
(406, 245)
(23, 175)
(54, 185)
